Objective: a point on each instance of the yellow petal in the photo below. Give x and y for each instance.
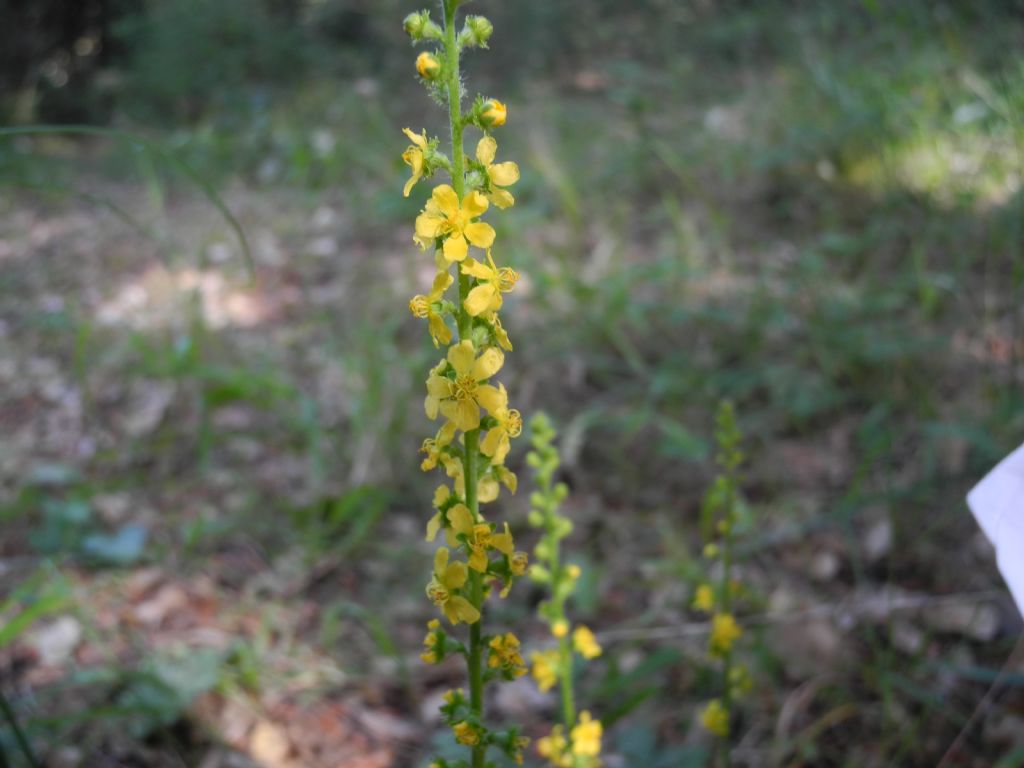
(410, 184)
(455, 575)
(480, 271)
(502, 198)
(482, 298)
(488, 364)
(461, 519)
(420, 140)
(502, 449)
(467, 415)
(492, 398)
(486, 149)
(474, 204)
(438, 386)
(480, 234)
(461, 356)
(433, 526)
(442, 281)
(430, 406)
(462, 609)
(446, 200)
(504, 174)
(429, 226)
(439, 331)
(440, 562)
(503, 542)
(478, 560)
(487, 490)
(455, 248)
(490, 442)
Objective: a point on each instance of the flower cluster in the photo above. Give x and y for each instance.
(717, 599)
(476, 423)
(576, 742)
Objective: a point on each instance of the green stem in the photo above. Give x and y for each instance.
(474, 659)
(19, 736)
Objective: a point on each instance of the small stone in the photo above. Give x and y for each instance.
(57, 641)
(878, 540)
(825, 566)
(978, 621)
(906, 637)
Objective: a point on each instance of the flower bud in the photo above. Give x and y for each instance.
(419, 27)
(493, 113)
(428, 65)
(476, 32)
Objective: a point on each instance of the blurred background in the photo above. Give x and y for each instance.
(212, 510)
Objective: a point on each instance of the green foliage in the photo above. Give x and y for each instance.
(191, 56)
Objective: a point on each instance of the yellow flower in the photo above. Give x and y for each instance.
(498, 174)
(479, 536)
(510, 424)
(413, 157)
(724, 632)
(466, 734)
(444, 216)
(441, 495)
(711, 551)
(505, 654)
(704, 599)
(461, 398)
(573, 570)
(586, 736)
(424, 306)
(485, 297)
(560, 628)
(500, 335)
(715, 719)
(519, 562)
(434, 446)
(585, 643)
(493, 113)
(554, 748)
(428, 65)
(446, 579)
(545, 668)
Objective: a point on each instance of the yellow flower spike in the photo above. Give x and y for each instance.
(493, 113)
(715, 719)
(428, 66)
(466, 734)
(704, 599)
(560, 628)
(485, 298)
(724, 632)
(423, 306)
(460, 399)
(585, 643)
(496, 442)
(444, 216)
(545, 668)
(586, 736)
(413, 157)
(447, 578)
(498, 174)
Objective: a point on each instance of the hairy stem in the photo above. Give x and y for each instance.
(465, 322)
